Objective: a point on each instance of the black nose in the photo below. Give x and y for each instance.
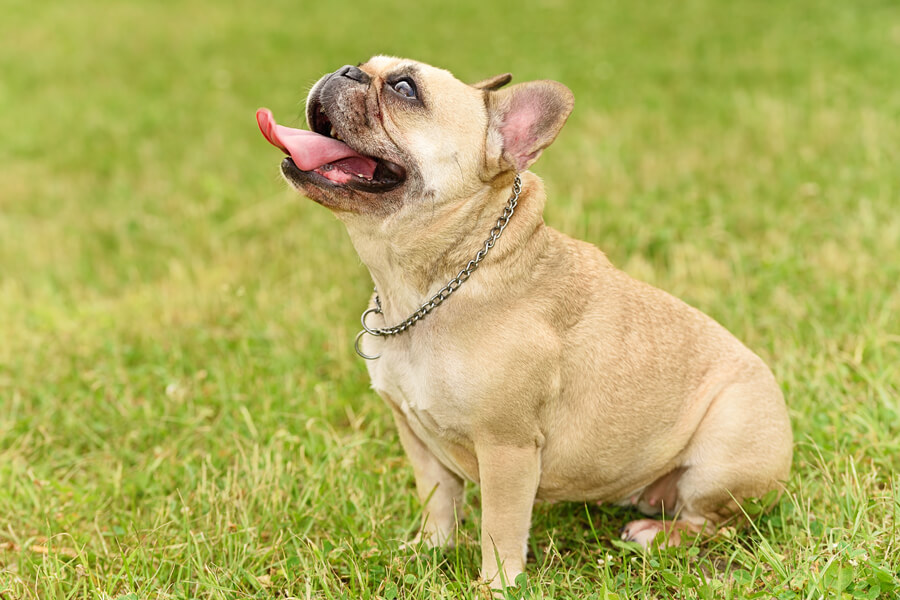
(353, 73)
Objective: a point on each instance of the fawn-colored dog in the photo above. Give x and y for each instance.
(549, 374)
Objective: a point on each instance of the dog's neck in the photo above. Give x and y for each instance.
(414, 253)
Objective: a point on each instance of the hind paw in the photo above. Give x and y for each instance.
(644, 531)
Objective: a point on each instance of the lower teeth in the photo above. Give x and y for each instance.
(327, 167)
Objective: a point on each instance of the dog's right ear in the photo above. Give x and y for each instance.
(493, 83)
(523, 120)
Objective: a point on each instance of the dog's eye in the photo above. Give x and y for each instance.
(405, 87)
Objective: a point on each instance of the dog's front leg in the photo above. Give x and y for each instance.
(509, 479)
(439, 490)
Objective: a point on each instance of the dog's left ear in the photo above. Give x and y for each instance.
(523, 120)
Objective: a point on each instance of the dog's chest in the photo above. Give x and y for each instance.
(434, 408)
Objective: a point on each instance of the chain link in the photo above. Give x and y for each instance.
(453, 285)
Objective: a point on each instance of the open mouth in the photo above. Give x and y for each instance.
(325, 158)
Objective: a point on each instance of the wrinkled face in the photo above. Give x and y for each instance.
(415, 130)
(393, 133)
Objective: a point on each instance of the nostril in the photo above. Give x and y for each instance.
(354, 73)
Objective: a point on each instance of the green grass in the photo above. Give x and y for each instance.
(181, 411)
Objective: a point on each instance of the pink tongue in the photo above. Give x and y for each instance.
(310, 150)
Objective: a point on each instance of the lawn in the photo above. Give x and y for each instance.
(182, 414)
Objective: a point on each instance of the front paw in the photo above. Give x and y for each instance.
(430, 540)
(501, 586)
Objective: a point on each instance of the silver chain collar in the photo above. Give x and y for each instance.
(444, 293)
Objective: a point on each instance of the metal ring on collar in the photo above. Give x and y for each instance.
(366, 328)
(359, 351)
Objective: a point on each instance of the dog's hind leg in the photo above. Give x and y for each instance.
(741, 450)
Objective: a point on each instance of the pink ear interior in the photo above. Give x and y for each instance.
(527, 117)
(520, 129)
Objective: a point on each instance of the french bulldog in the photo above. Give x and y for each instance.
(542, 372)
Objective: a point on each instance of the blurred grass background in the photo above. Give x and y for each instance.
(181, 411)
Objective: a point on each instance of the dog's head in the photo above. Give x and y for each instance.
(392, 132)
